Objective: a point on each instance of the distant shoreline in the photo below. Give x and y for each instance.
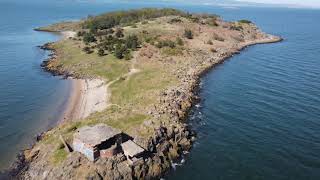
(171, 138)
(82, 99)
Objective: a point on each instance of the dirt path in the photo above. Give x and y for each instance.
(92, 95)
(127, 76)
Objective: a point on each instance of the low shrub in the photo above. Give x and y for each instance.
(88, 38)
(132, 42)
(101, 52)
(179, 41)
(127, 55)
(144, 22)
(172, 51)
(80, 33)
(87, 50)
(212, 22)
(119, 33)
(119, 51)
(188, 34)
(245, 21)
(112, 19)
(166, 43)
(175, 20)
(213, 50)
(209, 42)
(218, 38)
(236, 28)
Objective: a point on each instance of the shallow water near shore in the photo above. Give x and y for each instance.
(259, 114)
(31, 100)
(29, 103)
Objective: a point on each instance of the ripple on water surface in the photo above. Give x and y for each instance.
(260, 111)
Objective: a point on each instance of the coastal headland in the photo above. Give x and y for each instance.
(137, 71)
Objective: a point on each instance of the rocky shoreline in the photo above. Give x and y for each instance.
(169, 141)
(45, 65)
(183, 102)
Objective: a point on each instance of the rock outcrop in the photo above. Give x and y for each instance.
(170, 140)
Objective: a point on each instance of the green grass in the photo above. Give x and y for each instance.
(139, 88)
(154, 28)
(58, 156)
(127, 122)
(245, 21)
(62, 26)
(112, 19)
(72, 58)
(176, 51)
(132, 96)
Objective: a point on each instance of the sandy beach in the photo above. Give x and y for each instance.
(86, 96)
(155, 103)
(68, 34)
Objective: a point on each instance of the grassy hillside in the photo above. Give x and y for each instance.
(141, 54)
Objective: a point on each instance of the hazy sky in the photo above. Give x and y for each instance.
(282, 3)
(308, 3)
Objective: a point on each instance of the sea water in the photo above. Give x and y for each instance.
(259, 112)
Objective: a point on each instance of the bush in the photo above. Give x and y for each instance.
(119, 51)
(218, 38)
(80, 33)
(100, 52)
(159, 45)
(209, 42)
(119, 33)
(179, 41)
(144, 22)
(127, 55)
(87, 50)
(166, 43)
(132, 42)
(148, 39)
(194, 19)
(188, 34)
(237, 38)
(102, 33)
(236, 28)
(110, 31)
(175, 20)
(88, 38)
(109, 39)
(110, 20)
(245, 21)
(110, 48)
(172, 51)
(213, 23)
(213, 50)
(93, 31)
(170, 44)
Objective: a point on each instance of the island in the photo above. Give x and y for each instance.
(135, 77)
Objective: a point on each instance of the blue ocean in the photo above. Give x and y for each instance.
(259, 114)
